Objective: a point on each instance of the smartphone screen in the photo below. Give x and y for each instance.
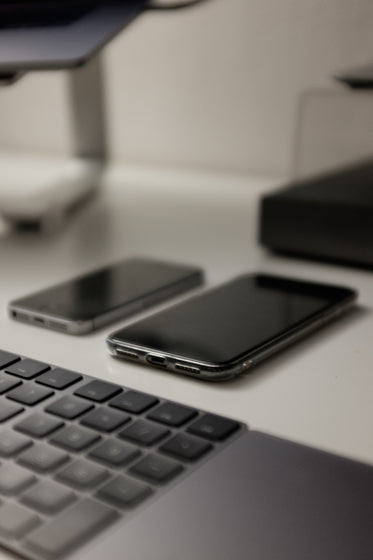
(116, 290)
(229, 323)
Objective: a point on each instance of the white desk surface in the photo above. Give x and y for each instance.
(318, 392)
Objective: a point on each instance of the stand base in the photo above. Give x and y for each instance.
(39, 191)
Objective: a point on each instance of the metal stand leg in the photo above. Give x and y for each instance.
(86, 88)
(39, 190)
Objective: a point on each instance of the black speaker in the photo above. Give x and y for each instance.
(329, 217)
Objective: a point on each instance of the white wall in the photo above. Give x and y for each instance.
(213, 87)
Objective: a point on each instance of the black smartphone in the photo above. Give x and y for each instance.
(224, 331)
(100, 297)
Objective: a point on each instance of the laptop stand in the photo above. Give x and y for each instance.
(38, 191)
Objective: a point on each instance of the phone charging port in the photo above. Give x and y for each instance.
(159, 361)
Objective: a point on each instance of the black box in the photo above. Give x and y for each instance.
(329, 217)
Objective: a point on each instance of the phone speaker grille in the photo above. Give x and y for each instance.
(127, 354)
(189, 369)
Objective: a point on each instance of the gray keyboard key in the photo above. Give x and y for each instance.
(48, 497)
(12, 443)
(8, 409)
(75, 438)
(8, 382)
(14, 479)
(186, 447)
(69, 407)
(133, 401)
(42, 458)
(27, 369)
(124, 491)
(172, 414)
(71, 528)
(29, 394)
(82, 474)
(105, 419)
(156, 468)
(213, 428)
(144, 432)
(6, 358)
(39, 425)
(114, 453)
(16, 521)
(98, 391)
(59, 378)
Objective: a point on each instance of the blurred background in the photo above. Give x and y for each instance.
(216, 87)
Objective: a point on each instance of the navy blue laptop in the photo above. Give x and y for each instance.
(55, 34)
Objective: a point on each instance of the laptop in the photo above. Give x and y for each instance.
(57, 34)
(91, 470)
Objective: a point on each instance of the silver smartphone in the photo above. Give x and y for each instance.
(225, 331)
(100, 297)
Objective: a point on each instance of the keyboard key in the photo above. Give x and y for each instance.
(12, 443)
(186, 447)
(8, 382)
(75, 438)
(42, 457)
(172, 414)
(6, 359)
(16, 521)
(105, 420)
(69, 407)
(98, 391)
(82, 474)
(27, 369)
(39, 425)
(132, 401)
(70, 528)
(59, 378)
(156, 468)
(8, 410)
(212, 427)
(29, 394)
(14, 479)
(48, 497)
(124, 491)
(114, 453)
(144, 432)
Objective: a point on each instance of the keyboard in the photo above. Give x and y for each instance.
(78, 454)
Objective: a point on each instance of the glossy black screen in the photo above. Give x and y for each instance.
(225, 323)
(107, 289)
